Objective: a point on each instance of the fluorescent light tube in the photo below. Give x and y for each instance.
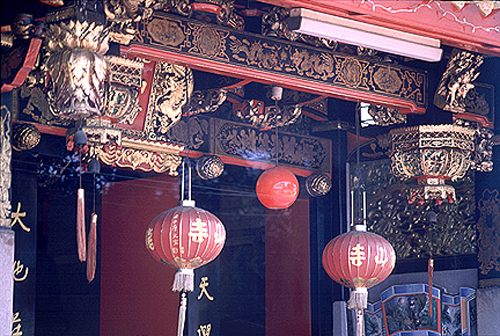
(366, 35)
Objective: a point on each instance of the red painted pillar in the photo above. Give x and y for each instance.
(136, 299)
(288, 306)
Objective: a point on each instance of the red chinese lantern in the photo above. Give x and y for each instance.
(359, 260)
(277, 188)
(185, 237)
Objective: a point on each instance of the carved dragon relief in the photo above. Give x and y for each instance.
(457, 81)
(171, 89)
(124, 15)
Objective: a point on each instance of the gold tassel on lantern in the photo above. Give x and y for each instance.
(80, 225)
(92, 248)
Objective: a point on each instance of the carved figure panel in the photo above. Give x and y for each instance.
(488, 227)
(242, 49)
(243, 141)
(171, 89)
(456, 81)
(384, 116)
(405, 225)
(405, 310)
(125, 84)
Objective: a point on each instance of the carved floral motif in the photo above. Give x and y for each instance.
(138, 155)
(241, 49)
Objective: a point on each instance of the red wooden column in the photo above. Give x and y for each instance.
(136, 298)
(288, 303)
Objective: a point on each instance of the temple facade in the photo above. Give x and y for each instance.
(263, 168)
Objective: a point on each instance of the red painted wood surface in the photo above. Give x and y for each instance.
(466, 28)
(28, 65)
(288, 301)
(136, 298)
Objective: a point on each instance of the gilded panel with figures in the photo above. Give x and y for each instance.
(406, 226)
(242, 141)
(243, 49)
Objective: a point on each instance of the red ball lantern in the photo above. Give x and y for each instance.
(185, 237)
(359, 260)
(277, 188)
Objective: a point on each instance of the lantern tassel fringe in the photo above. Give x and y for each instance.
(359, 298)
(182, 314)
(80, 226)
(184, 280)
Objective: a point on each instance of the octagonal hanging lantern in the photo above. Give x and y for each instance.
(432, 154)
(359, 260)
(277, 188)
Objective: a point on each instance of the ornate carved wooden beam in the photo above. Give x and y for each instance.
(234, 53)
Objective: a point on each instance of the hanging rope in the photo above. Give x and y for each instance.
(432, 218)
(92, 238)
(359, 296)
(360, 211)
(80, 139)
(277, 138)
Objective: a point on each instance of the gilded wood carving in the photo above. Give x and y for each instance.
(76, 69)
(205, 41)
(171, 89)
(405, 225)
(488, 227)
(239, 140)
(5, 172)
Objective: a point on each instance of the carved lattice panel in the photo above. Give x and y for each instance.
(406, 226)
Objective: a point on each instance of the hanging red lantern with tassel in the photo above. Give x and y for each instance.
(277, 188)
(359, 260)
(185, 238)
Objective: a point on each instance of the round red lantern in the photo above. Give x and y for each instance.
(185, 237)
(359, 260)
(277, 188)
